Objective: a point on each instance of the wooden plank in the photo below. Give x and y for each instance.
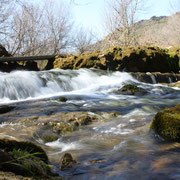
(26, 58)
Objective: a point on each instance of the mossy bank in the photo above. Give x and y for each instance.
(129, 59)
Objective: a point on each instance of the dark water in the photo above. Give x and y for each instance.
(119, 147)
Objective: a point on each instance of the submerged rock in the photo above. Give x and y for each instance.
(167, 124)
(130, 89)
(48, 136)
(67, 162)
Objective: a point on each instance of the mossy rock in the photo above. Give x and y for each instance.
(67, 162)
(130, 59)
(167, 124)
(130, 89)
(79, 118)
(49, 136)
(23, 158)
(62, 99)
(9, 145)
(65, 63)
(59, 127)
(86, 60)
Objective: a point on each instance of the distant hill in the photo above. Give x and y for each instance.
(160, 31)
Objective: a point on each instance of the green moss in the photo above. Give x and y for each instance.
(130, 59)
(167, 124)
(86, 60)
(49, 137)
(130, 89)
(62, 99)
(9, 145)
(61, 127)
(25, 158)
(83, 120)
(28, 163)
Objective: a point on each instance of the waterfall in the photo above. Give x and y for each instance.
(152, 77)
(21, 85)
(170, 80)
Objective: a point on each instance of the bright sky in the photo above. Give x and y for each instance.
(89, 13)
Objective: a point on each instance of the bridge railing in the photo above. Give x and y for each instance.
(27, 58)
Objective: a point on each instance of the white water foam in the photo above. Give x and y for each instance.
(23, 85)
(4, 124)
(27, 85)
(120, 129)
(65, 146)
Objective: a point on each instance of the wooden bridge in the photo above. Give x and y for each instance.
(27, 58)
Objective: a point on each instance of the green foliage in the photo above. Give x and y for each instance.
(28, 162)
(23, 160)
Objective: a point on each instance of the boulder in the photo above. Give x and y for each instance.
(130, 89)
(23, 158)
(167, 124)
(67, 161)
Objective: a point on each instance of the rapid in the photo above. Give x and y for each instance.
(121, 147)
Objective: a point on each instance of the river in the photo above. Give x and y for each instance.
(119, 148)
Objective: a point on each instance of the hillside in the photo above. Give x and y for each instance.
(160, 31)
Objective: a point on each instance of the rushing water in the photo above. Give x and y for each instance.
(122, 147)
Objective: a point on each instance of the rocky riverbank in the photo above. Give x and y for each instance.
(128, 59)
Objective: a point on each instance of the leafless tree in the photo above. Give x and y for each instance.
(26, 36)
(34, 29)
(58, 27)
(121, 17)
(5, 11)
(83, 40)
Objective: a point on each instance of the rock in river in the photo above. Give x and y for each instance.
(167, 124)
(130, 89)
(67, 161)
(23, 158)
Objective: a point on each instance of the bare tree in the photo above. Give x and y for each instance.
(120, 19)
(35, 29)
(5, 11)
(83, 40)
(26, 36)
(58, 27)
